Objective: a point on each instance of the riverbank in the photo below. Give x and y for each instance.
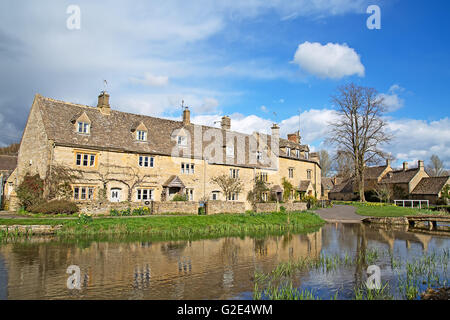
(180, 226)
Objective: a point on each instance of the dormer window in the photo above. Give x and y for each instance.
(306, 155)
(141, 135)
(297, 153)
(83, 127)
(288, 152)
(181, 141)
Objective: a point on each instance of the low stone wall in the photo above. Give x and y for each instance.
(31, 229)
(295, 206)
(267, 207)
(184, 207)
(217, 206)
(387, 220)
(104, 207)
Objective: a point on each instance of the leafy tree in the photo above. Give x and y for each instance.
(256, 194)
(287, 188)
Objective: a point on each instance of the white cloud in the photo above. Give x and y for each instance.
(151, 80)
(264, 109)
(392, 100)
(332, 60)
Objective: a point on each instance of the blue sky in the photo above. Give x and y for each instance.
(246, 59)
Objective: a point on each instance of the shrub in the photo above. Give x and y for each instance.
(282, 209)
(179, 197)
(54, 207)
(84, 218)
(30, 191)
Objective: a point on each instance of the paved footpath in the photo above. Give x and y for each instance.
(340, 213)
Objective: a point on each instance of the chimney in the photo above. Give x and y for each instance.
(388, 162)
(294, 137)
(420, 165)
(226, 123)
(186, 116)
(275, 131)
(405, 166)
(103, 103)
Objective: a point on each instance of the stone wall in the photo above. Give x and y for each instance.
(217, 206)
(275, 207)
(183, 207)
(104, 207)
(295, 206)
(267, 207)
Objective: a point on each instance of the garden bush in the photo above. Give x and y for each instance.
(179, 197)
(54, 207)
(30, 191)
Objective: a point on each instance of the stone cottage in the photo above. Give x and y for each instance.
(121, 156)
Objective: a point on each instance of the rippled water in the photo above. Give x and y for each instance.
(202, 269)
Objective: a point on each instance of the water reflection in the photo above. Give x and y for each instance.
(204, 269)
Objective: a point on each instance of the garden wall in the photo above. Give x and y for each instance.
(295, 206)
(267, 207)
(217, 206)
(184, 207)
(104, 207)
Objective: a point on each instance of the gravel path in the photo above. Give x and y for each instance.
(340, 213)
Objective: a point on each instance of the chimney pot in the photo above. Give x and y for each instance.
(226, 123)
(421, 165)
(405, 166)
(186, 116)
(103, 103)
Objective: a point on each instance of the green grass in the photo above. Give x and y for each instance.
(376, 209)
(184, 227)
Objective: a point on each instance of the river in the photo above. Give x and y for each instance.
(36, 268)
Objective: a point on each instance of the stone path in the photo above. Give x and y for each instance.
(340, 213)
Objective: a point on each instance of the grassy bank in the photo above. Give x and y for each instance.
(376, 209)
(179, 227)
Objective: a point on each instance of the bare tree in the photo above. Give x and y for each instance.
(325, 163)
(383, 192)
(343, 164)
(360, 129)
(58, 183)
(126, 175)
(436, 167)
(228, 184)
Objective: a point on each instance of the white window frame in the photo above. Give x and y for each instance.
(83, 127)
(291, 173)
(215, 195)
(190, 194)
(288, 151)
(141, 192)
(234, 173)
(234, 196)
(297, 151)
(146, 161)
(182, 141)
(141, 135)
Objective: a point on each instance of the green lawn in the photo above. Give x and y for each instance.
(184, 226)
(378, 210)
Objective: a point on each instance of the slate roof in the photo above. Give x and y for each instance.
(373, 172)
(346, 186)
(328, 183)
(304, 185)
(400, 176)
(115, 132)
(431, 185)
